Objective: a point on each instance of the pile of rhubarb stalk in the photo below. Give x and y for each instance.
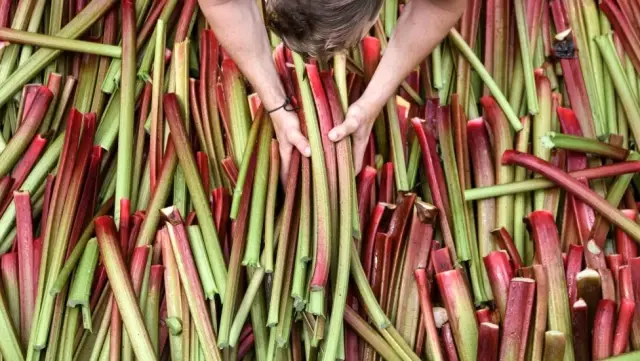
(143, 215)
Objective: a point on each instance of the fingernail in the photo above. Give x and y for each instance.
(307, 151)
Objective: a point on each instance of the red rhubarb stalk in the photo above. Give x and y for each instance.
(488, 341)
(624, 244)
(20, 141)
(634, 272)
(502, 141)
(28, 160)
(433, 345)
(449, 342)
(603, 329)
(435, 178)
(386, 184)
(575, 187)
(579, 321)
(517, 319)
(547, 245)
(505, 242)
(484, 176)
(457, 300)
(573, 267)
(417, 255)
(441, 260)
(379, 217)
(366, 181)
(500, 274)
(26, 267)
(623, 327)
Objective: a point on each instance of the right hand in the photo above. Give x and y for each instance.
(287, 127)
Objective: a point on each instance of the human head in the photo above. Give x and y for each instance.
(320, 28)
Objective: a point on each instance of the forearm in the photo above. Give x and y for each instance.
(422, 25)
(239, 27)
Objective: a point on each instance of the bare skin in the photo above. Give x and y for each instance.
(240, 29)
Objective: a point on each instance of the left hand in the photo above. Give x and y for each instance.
(358, 122)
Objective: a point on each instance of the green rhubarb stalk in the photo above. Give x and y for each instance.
(584, 145)
(503, 141)
(447, 73)
(286, 302)
(520, 174)
(252, 143)
(579, 33)
(34, 25)
(10, 344)
(345, 193)
(319, 177)
(390, 16)
(461, 236)
(74, 28)
(152, 46)
(272, 192)
(239, 115)
(141, 170)
(180, 67)
(58, 43)
(86, 83)
(374, 310)
(191, 282)
(122, 289)
(299, 290)
(127, 106)
(196, 189)
(173, 297)
(156, 132)
(468, 53)
(283, 240)
(525, 56)
(541, 126)
(63, 103)
(369, 335)
(10, 53)
(245, 306)
(436, 67)
(340, 76)
(397, 147)
(620, 81)
(81, 284)
(78, 251)
(202, 262)
(609, 102)
(152, 306)
(258, 197)
(593, 29)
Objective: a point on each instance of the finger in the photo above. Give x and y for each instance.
(295, 137)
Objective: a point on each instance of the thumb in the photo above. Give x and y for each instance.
(354, 118)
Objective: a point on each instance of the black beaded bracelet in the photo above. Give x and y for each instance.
(287, 105)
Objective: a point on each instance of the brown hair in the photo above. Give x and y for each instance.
(321, 27)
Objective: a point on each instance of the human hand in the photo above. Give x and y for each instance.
(358, 122)
(287, 128)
